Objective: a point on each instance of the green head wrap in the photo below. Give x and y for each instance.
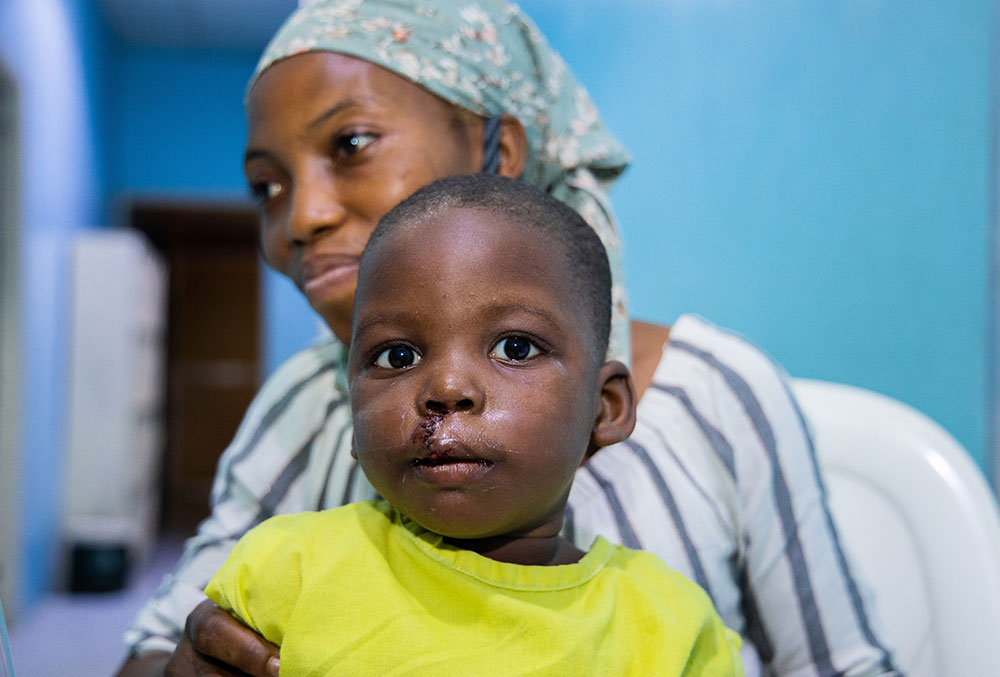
(488, 57)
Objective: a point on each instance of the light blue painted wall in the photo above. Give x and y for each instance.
(813, 175)
(178, 122)
(53, 48)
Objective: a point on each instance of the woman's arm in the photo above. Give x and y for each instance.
(285, 457)
(803, 602)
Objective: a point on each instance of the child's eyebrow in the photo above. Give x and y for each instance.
(369, 320)
(493, 311)
(500, 310)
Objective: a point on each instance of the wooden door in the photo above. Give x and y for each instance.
(214, 354)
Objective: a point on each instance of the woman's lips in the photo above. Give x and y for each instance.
(318, 274)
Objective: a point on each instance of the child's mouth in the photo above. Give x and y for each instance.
(438, 459)
(444, 461)
(445, 470)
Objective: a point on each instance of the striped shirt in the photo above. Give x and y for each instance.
(719, 479)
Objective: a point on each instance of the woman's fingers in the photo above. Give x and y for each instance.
(186, 661)
(220, 645)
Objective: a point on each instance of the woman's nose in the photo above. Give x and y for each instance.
(316, 208)
(452, 386)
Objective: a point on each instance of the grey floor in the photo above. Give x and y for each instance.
(81, 635)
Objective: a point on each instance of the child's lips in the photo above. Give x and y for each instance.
(452, 473)
(449, 463)
(440, 450)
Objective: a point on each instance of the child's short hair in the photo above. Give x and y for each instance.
(581, 247)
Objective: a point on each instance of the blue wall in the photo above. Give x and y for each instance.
(813, 175)
(178, 122)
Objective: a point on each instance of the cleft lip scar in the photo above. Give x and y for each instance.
(423, 433)
(433, 452)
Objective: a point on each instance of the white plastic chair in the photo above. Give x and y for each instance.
(918, 522)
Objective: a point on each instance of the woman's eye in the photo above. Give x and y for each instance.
(352, 143)
(397, 357)
(263, 191)
(515, 348)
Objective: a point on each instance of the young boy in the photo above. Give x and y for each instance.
(478, 386)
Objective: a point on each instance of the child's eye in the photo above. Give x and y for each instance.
(264, 191)
(515, 349)
(397, 357)
(352, 143)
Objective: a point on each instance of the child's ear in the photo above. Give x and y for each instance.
(513, 147)
(616, 410)
(354, 448)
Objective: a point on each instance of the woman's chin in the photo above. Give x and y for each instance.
(336, 314)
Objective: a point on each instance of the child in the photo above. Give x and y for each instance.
(478, 386)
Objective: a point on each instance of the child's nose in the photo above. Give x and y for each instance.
(438, 407)
(450, 389)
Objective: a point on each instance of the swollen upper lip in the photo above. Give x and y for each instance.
(316, 266)
(438, 452)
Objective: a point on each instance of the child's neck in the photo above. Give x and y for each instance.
(533, 551)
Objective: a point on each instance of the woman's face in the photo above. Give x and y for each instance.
(334, 143)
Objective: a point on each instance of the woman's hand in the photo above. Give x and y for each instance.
(213, 643)
(216, 643)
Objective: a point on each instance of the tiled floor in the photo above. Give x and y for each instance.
(81, 635)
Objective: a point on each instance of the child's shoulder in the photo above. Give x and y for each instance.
(648, 573)
(322, 524)
(677, 608)
(316, 542)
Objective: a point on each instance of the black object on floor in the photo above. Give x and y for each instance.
(98, 568)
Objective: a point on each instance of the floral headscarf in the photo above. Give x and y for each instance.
(488, 57)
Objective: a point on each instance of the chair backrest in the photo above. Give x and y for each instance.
(919, 523)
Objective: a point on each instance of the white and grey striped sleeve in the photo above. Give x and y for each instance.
(801, 600)
(290, 453)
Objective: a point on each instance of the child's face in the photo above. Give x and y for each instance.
(474, 377)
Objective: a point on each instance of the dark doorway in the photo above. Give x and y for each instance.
(214, 346)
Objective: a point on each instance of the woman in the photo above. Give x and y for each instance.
(356, 104)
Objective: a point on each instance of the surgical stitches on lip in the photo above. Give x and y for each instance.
(437, 451)
(423, 433)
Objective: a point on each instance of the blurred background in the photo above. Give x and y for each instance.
(819, 177)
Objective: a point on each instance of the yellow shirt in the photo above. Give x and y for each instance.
(362, 590)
